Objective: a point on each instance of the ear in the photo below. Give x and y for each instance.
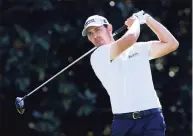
(110, 28)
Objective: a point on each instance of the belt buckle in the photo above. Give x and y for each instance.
(136, 115)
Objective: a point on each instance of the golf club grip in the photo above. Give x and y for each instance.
(91, 50)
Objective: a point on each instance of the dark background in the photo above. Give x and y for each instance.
(40, 37)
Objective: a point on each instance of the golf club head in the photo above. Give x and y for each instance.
(19, 103)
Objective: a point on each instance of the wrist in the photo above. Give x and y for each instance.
(134, 19)
(146, 16)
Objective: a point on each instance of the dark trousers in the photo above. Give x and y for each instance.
(144, 123)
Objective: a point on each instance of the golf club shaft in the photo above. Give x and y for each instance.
(118, 31)
(61, 71)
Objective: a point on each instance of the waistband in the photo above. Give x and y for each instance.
(137, 114)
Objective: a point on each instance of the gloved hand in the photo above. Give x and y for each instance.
(142, 16)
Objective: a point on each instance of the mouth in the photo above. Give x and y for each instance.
(99, 41)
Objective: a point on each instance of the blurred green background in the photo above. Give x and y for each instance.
(40, 37)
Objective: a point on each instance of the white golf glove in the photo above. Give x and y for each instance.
(142, 16)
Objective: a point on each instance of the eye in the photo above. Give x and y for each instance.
(89, 33)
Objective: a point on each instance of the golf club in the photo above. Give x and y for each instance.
(19, 102)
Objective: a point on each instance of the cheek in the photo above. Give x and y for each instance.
(90, 39)
(106, 36)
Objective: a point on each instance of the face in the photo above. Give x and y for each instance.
(99, 35)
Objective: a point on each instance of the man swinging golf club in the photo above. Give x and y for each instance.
(123, 68)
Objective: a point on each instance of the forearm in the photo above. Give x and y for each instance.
(127, 40)
(162, 32)
(134, 29)
(131, 36)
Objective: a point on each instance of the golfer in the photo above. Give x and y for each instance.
(123, 68)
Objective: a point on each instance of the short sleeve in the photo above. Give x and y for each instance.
(145, 46)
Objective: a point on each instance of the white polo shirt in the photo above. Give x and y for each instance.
(127, 78)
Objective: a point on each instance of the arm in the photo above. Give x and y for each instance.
(128, 39)
(167, 42)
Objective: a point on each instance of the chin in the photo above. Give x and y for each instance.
(100, 44)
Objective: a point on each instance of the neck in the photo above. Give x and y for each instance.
(112, 39)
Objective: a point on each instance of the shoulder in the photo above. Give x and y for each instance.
(101, 52)
(139, 44)
(143, 45)
(102, 49)
(135, 47)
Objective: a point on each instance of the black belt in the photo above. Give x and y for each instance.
(137, 114)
